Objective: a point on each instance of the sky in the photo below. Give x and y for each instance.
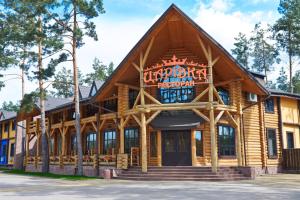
(126, 21)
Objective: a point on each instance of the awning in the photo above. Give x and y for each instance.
(176, 120)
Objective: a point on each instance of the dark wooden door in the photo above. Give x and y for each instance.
(176, 148)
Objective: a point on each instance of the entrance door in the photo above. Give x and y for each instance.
(176, 148)
(3, 152)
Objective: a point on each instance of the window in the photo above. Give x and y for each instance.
(13, 125)
(224, 94)
(59, 142)
(272, 148)
(269, 105)
(12, 149)
(199, 143)
(110, 105)
(6, 127)
(131, 139)
(57, 117)
(90, 143)
(109, 141)
(290, 140)
(52, 146)
(73, 144)
(71, 114)
(153, 144)
(176, 94)
(226, 140)
(132, 95)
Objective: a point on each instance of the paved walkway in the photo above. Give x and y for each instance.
(33, 188)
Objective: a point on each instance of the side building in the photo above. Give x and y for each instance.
(7, 137)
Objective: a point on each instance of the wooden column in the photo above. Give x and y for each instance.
(214, 155)
(239, 125)
(159, 148)
(122, 136)
(193, 148)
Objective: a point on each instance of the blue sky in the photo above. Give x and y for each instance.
(120, 9)
(126, 21)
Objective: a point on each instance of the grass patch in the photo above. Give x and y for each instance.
(47, 175)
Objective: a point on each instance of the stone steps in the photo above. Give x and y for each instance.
(182, 173)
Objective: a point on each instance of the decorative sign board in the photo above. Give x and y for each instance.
(175, 73)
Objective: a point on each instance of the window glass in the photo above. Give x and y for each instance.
(90, 143)
(224, 94)
(176, 94)
(153, 144)
(13, 125)
(132, 95)
(12, 150)
(6, 127)
(73, 144)
(131, 139)
(199, 143)
(109, 141)
(226, 140)
(290, 140)
(269, 105)
(272, 149)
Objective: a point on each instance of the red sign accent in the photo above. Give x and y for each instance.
(175, 68)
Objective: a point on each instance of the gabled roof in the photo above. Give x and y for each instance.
(53, 102)
(6, 115)
(95, 87)
(168, 19)
(84, 91)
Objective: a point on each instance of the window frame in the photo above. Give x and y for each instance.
(136, 139)
(202, 144)
(88, 143)
(275, 156)
(12, 150)
(105, 140)
(287, 139)
(132, 95)
(224, 95)
(6, 127)
(267, 106)
(219, 143)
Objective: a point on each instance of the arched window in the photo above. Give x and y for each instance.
(176, 94)
(224, 94)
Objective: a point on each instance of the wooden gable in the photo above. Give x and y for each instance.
(174, 33)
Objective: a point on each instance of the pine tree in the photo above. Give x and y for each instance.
(281, 81)
(10, 106)
(242, 50)
(45, 43)
(264, 54)
(101, 71)
(296, 82)
(73, 20)
(63, 83)
(286, 31)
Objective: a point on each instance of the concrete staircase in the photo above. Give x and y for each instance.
(182, 173)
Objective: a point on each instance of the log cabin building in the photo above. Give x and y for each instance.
(177, 99)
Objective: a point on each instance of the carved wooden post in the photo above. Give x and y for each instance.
(214, 156)
(96, 156)
(121, 136)
(238, 120)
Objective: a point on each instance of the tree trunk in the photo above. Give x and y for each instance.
(45, 151)
(76, 98)
(23, 124)
(290, 60)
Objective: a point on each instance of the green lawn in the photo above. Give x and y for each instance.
(47, 175)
